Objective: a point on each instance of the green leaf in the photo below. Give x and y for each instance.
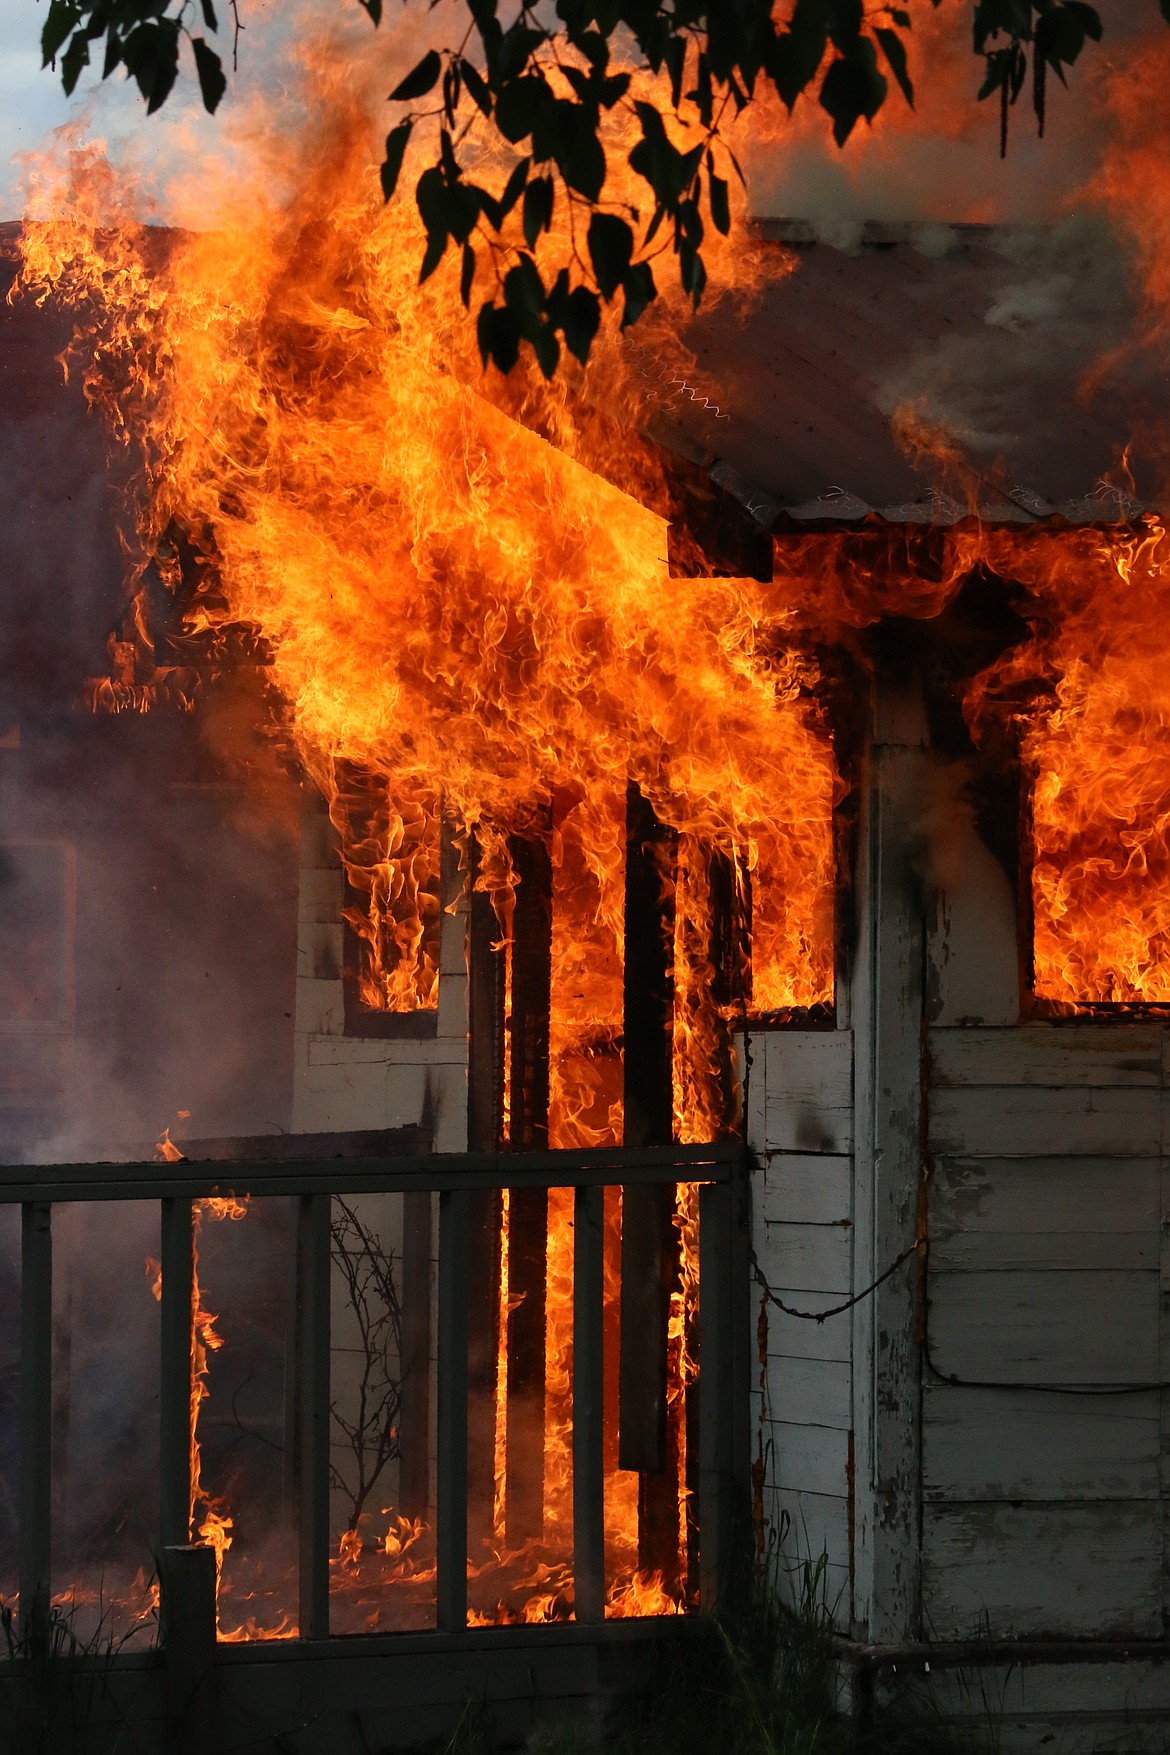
(611, 246)
(61, 20)
(676, 60)
(547, 349)
(720, 207)
(577, 314)
(567, 133)
(432, 255)
(73, 60)
(467, 274)
(209, 17)
(852, 88)
(396, 144)
(497, 331)
(538, 207)
(524, 289)
(894, 50)
(612, 90)
(640, 291)
(420, 79)
(792, 62)
(374, 8)
(1166, 10)
(151, 55)
(520, 104)
(516, 182)
(481, 97)
(212, 80)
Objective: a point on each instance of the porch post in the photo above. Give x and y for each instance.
(887, 1011)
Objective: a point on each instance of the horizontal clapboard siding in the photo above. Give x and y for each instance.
(1059, 1055)
(1063, 1570)
(1042, 1506)
(800, 1122)
(1029, 1121)
(1006, 1197)
(1015, 1445)
(809, 1392)
(814, 1528)
(1085, 1709)
(1054, 1327)
(808, 1100)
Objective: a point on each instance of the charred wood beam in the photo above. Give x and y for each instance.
(178, 1266)
(528, 1093)
(648, 1238)
(485, 1089)
(187, 1603)
(485, 1094)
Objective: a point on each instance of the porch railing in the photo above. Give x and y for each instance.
(722, 1384)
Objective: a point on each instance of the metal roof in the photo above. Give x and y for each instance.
(991, 333)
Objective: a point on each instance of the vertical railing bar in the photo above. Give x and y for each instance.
(716, 1463)
(313, 1268)
(415, 1392)
(451, 1486)
(36, 1414)
(177, 1247)
(588, 1418)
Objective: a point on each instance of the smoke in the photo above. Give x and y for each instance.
(1003, 389)
(147, 888)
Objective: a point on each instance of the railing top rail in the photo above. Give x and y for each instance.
(195, 1179)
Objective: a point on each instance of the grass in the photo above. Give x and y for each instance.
(58, 1685)
(759, 1681)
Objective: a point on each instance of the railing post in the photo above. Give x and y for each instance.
(451, 1534)
(588, 1394)
(313, 1268)
(178, 1266)
(36, 1415)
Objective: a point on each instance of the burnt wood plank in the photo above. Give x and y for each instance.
(178, 1262)
(648, 1239)
(588, 1406)
(187, 1604)
(528, 1093)
(527, 1261)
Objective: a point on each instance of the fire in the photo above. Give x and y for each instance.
(459, 588)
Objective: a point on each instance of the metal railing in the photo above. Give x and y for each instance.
(454, 1177)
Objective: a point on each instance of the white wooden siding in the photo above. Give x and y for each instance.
(1064, 1570)
(345, 1082)
(1044, 1508)
(801, 1125)
(1014, 1445)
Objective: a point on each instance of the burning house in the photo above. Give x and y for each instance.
(636, 925)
